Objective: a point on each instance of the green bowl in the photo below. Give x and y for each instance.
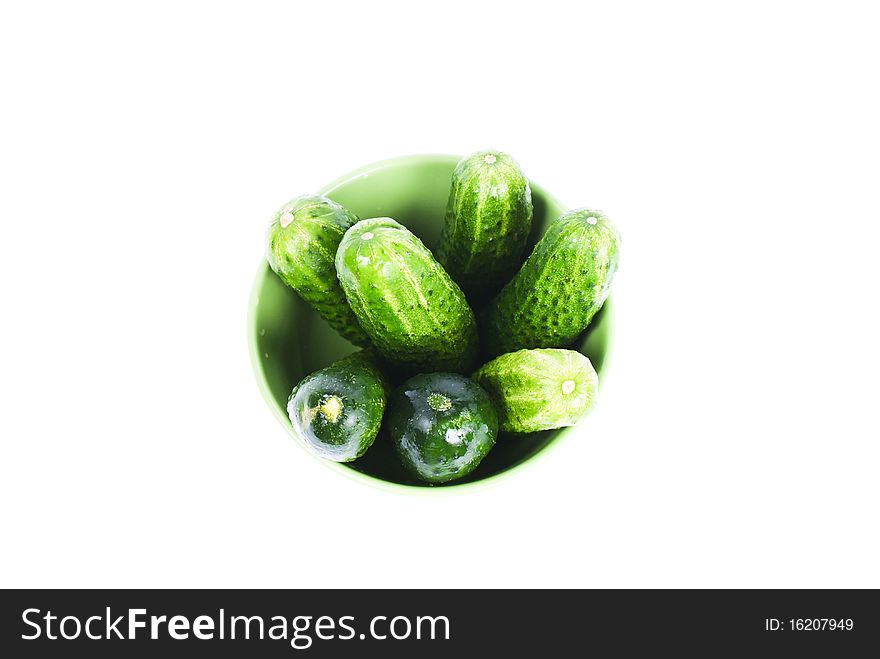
(288, 340)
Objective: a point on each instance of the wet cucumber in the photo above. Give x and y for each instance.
(488, 219)
(337, 411)
(413, 312)
(559, 289)
(302, 242)
(442, 425)
(539, 389)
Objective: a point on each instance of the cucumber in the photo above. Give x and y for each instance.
(488, 219)
(540, 389)
(442, 425)
(559, 289)
(337, 411)
(302, 242)
(413, 312)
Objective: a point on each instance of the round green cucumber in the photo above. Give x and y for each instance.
(302, 242)
(488, 219)
(413, 312)
(442, 425)
(559, 289)
(337, 411)
(540, 389)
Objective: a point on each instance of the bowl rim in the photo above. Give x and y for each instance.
(374, 481)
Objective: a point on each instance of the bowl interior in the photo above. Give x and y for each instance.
(289, 340)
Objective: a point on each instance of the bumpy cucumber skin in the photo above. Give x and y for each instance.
(413, 312)
(442, 425)
(338, 410)
(540, 389)
(302, 242)
(488, 219)
(559, 289)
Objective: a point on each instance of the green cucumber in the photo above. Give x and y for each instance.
(337, 411)
(413, 312)
(442, 425)
(540, 389)
(488, 219)
(559, 289)
(303, 238)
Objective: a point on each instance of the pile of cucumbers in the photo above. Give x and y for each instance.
(443, 379)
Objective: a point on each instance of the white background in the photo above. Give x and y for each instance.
(144, 147)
